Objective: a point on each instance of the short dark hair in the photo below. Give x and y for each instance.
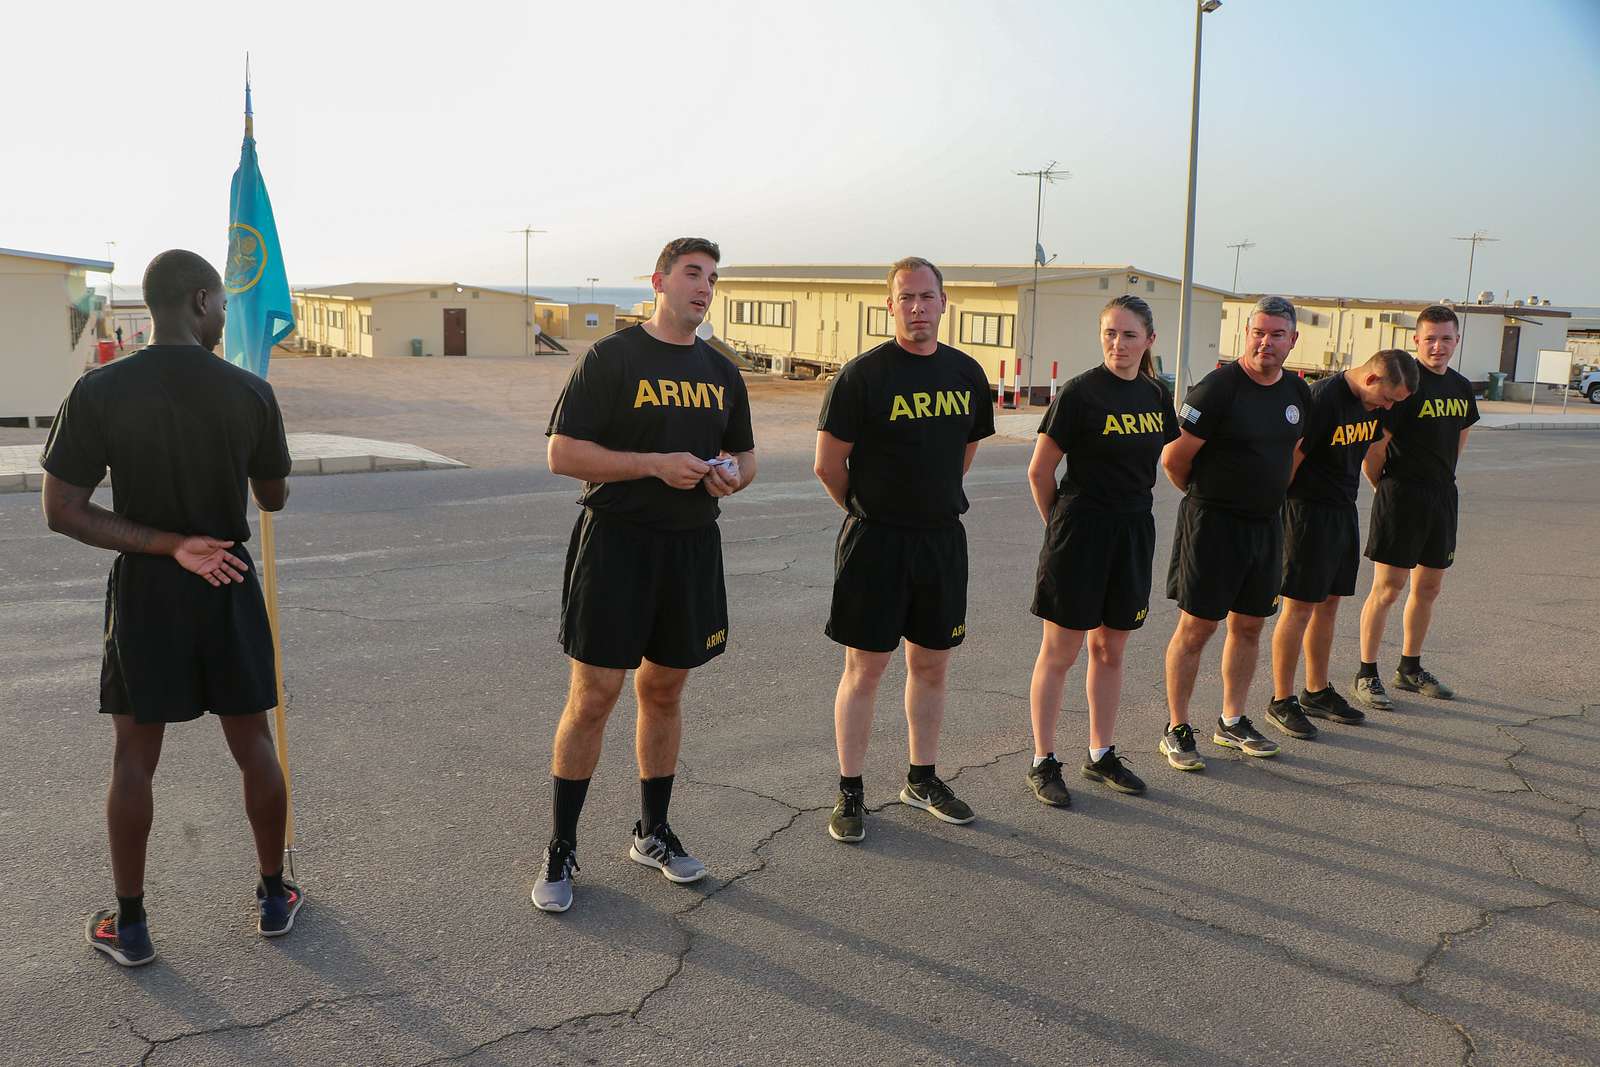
(1440, 313)
(914, 263)
(1396, 367)
(683, 246)
(173, 277)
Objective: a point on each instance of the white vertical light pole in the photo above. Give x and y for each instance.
(527, 311)
(592, 282)
(1202, 8)
(1051, 175)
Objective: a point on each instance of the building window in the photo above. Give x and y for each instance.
(1369, 322)
(1149, 286)
(433, 294)
(878, 323)
(774, 313)
(981, 329)
(592, 319)
(366, 324)
(759, 312)
(1224, 312)
(474, 294)
(1105, 283)
(319, 315)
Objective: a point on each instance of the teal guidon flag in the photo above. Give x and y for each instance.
(260, 313)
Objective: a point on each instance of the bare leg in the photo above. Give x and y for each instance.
(1319, 644)
(1239, 654)
(130, 805)
(1183, 663)
(659, 729)
(591, 694)
(925, 678)
(1287, 637)
(1387, 585)
(852, 706)
(1058, 649)
(1103, 684)
(1425, 585)
(266, 799)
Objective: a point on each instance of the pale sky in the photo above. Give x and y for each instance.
(1350, 141)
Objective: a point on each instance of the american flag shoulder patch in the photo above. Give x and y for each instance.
(1189, 413)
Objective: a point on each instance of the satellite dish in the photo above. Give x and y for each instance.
(704, 331)
(1038, 255)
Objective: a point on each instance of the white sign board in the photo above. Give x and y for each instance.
(1555, 367)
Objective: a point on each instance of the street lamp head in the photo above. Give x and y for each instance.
(1208, 6)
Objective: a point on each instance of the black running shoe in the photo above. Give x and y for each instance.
(1112, 770)
(1243, 736)
(128, 945)
(1045, 781)
(1330, 704)
(1286, 715)
(275, 915)
(848, 823)
(938, 800)
(1422, 681)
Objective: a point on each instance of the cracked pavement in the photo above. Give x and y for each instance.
(1421, 890)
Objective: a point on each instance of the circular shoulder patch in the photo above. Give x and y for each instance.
(1292, 413)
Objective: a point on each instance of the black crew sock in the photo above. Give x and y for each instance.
(272, 884)
(919, 773)
(1411, 664)
(851, 785)
(568, 804)
(1368, 670)
(130, 910)
(654, 796)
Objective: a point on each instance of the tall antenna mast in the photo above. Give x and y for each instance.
(1047, 173)
(527, 310)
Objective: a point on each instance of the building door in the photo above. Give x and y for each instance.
(455, 331)
(1510, 341)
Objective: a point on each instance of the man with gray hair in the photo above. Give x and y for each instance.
(1234, 460)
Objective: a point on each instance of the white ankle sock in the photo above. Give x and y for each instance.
(1231, 722)
(1098, 754)
(1040, 759)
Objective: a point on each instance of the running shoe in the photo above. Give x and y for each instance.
(1287, 716)
(1045, 781)
(552, 890)
(1330, 704)
(275, 915)
(848, 822)
(1422, 681)
(662, 849)
(1177, 744)
(1369, 691)
(128, 945)
(1243, 736)
(1112, 770)
(937, 799)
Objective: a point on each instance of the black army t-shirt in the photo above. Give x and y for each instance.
(910, 419)
(1112, 431)
(181, 431)
(1427, 428)
(633, 392)
(1337, 433)
(1250, 432)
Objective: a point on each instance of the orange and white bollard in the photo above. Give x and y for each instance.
(1000, 387)
(1016, 389)
(1053, 370)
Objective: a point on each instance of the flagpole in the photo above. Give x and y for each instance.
(269, 581)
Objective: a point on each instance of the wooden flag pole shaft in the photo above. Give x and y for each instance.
(269, 581)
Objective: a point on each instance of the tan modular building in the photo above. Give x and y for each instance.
(809, 318)
(52, 319)
(575, 322)
(128, 311)
(1337, 332)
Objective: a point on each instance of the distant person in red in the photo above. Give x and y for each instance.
(186, 629)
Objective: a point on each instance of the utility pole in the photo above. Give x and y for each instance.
(591, 282)
(108, 320)
(1202, 8)
(1238, 248)
(527, 310)
(1476, 238)
(1050, 174)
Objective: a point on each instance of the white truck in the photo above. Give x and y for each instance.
(1586, 380)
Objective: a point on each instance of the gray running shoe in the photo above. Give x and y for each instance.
(1243, 736)
(1288, 716)
(662, 850)
(1329, 704)
(1422, 681)
(1045, 781)
(938, 800)
(848, 823)
(1177, 744)
(553, 889)
(1369, 691)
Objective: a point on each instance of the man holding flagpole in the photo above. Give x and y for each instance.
(186, 629)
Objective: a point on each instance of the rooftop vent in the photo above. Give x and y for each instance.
(1486, 297)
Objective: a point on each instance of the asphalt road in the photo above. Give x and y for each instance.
(1419, 890)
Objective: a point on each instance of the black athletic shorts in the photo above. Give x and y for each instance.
(1223, 562)
(891, 582)
(177, 647)
(632, 592)
(1321, 550)
(1413, 524)
(1094, 568)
